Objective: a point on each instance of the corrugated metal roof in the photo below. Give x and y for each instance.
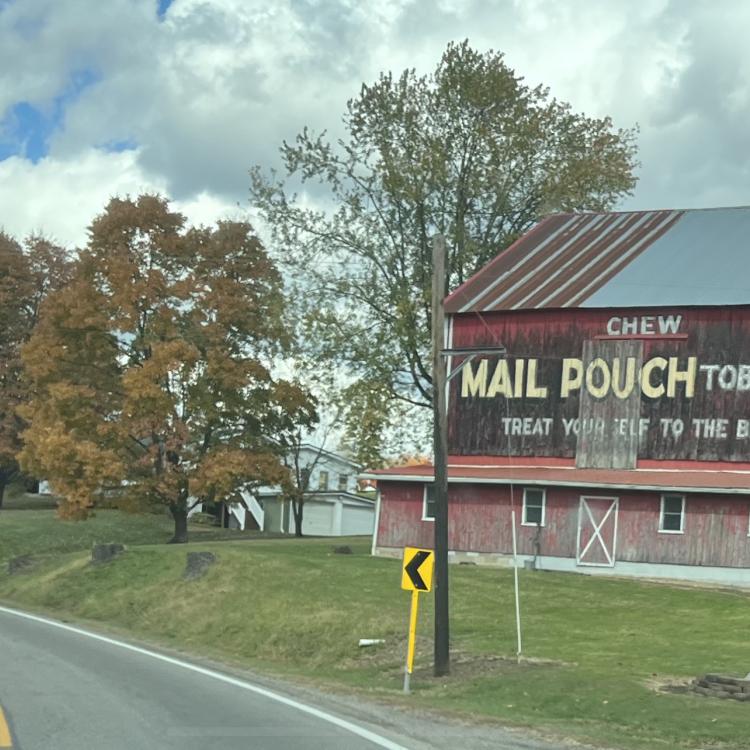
(708, 481)
(618, 259)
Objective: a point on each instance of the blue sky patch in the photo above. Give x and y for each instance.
(127, 144)
(24, 132)
(26, 129)
(162, 6)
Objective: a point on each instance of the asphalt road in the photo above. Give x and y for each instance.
(61, 688)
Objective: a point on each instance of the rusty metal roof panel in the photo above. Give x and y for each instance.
(617, 259)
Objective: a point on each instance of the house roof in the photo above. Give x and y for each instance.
(323, 496)
(714, 481)
(310, 448)
(617, 259)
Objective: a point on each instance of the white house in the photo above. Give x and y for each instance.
(332, 506)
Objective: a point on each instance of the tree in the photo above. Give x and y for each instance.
(27, 275)
(469, 151)
(302, 449)
(301, 458)
(296, 483)
(152, 369)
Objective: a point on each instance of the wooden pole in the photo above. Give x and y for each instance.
(440, 449)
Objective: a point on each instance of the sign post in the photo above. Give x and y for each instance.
(416, 576)
(412, 639)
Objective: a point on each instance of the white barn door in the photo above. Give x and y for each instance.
(597, 531)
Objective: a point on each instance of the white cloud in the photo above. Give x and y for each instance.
(60, 197)
(205, 209)
(216, 86)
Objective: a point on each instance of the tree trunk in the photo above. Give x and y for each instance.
(297, 513)
(180, 524)
(2, 491)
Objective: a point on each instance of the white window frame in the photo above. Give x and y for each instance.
(425, 517)
(524, 522)
(662, 530)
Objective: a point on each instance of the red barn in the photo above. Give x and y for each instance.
(618, 422)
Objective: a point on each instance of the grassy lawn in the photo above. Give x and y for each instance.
(597, 649)
(41, 532)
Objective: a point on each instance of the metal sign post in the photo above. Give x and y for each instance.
(416, 576)
(412, 639)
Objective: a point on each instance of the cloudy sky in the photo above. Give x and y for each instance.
(183, 96)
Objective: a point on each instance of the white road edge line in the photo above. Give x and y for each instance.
(366, 734)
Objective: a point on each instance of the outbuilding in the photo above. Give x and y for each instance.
(617, 424)
(333, 506)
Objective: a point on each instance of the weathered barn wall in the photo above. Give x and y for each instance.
(614, 449)
(686, 396)
(400, 523)
(716, 527)
(716, 532)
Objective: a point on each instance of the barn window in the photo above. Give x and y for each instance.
(428, 503)
(534, 501)
(323, 481)
(343, 482)
(672, 516)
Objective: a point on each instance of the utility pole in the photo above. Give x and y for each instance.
(440, 449)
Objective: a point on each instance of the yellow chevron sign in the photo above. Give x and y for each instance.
(416, 574)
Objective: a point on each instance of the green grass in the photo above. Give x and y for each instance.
(27, 501)
(41, 532)
(597, 647)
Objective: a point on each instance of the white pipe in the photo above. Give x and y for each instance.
(377, 523)
(515, 581)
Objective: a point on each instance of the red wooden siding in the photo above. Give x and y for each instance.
(716, 527)
(400, 523)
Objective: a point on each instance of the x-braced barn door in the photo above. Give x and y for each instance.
(597, 531)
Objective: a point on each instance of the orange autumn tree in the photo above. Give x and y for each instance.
(28, 273)
(151, 370)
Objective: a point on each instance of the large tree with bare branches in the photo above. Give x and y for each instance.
(469, 151)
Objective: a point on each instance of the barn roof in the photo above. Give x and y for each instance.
(618, 259)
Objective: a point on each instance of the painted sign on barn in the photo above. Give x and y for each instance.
(603, 386)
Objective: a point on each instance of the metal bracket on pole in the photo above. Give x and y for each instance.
(470, 355)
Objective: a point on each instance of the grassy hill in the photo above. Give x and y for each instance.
(597, 650)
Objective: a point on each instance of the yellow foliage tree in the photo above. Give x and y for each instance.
(151, 369)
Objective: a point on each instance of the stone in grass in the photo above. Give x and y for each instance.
(20, 564)
(197, 564)
(101, 553)
(713, 677)
(721, 686)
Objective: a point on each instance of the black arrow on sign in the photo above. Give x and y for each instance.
(412, 570)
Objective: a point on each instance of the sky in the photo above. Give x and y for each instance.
(184, 96)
